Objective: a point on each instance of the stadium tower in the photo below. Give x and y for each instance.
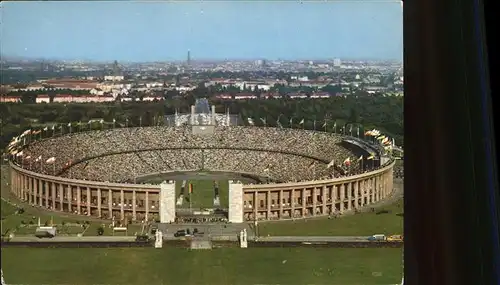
(202, 118)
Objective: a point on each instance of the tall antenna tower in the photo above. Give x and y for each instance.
(189, 58)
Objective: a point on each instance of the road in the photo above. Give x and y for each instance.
(213, 237)
(314, 239)
(74, 239)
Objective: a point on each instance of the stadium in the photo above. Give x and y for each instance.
(140, 173)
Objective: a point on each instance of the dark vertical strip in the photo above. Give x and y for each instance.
(445, 159)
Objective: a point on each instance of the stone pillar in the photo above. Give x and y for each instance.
(99, 203)
(60, 188)
(146, 202)
(379, 188)
(268, 205)
(349, 196)
(342, 197)
(314, 198)
(70, 198)
(122, 202)
(192, 115)
(304, 201)
(13, 181)
(22, 186)
(236, 202)
(213, 115)
(40, 192)
(292, 202)
(356, 194)
(30, 196)
(54, 196)
(89, 201)
(255, 200)
(167, 202)
(110, 203)
(134, 202)
(47, 193)
(323, 200)
(334, 198)
(281, 203)
(27, 182)
(78, 200)
(374, 190)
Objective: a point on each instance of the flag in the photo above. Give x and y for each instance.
(360, 158)
(301, 122)
(102, 121)
(53, 127)
(335, 125)
(347, 161)
(250, 121)
(51, 160)
(114, 120)
(38, 158)
(190, 188)
(324, 124)
(371, 157)
(350, 128)
(69, 124)
(263, 120)
(331, 163)
(46, 128)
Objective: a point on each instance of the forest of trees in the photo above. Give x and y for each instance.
(383, 113)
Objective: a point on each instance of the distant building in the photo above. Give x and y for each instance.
(337, 62)
(114, 77)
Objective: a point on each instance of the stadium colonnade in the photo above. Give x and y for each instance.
(136, 202)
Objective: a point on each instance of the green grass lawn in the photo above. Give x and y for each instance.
(353, 225)
(203, 193)
(179, 266)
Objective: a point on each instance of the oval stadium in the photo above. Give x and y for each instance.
(148, 173)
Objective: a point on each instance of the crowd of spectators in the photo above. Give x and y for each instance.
(118, 155)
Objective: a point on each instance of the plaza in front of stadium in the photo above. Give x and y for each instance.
(204, 170)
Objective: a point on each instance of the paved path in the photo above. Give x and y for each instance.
(74, 239)
(314, 239)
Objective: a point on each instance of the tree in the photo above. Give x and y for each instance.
(353, 116)
(100, 231)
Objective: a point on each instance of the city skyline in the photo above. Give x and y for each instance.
(161, 31)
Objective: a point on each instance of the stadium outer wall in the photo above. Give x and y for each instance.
(135, 202)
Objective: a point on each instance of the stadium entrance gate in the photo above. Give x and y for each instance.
(168, 199)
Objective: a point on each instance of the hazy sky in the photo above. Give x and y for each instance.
(149, 31)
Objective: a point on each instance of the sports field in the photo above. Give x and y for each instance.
(179, 266)
(203, 194)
